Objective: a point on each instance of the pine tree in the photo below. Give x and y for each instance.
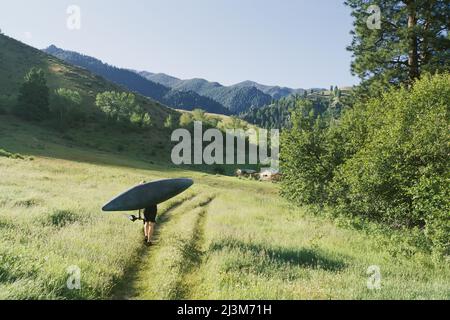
(411, 37)
(33, 99)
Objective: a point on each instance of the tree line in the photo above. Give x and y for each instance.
(65, 107)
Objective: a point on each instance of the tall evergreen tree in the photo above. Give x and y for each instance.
(395, 41)
(33, 99)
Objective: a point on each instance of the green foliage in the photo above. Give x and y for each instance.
(412, 38)
(6, 103)
(33, 99)
(16, 60)
(7, 154)
(66, 107)
(121, 107)
(385, 160)
(305, 159)
(186, 120)
(199, 115)
(168, 123)
(278, 114)
(400, 174)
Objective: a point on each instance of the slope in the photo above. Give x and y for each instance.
(178, 99)
(16, 59)
(234, 98)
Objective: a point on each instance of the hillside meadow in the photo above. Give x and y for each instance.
(224, 238)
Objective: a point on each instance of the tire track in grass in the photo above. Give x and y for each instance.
(125, 289)
(163, 270)
(193, 255)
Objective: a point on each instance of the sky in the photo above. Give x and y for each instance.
(294, 43)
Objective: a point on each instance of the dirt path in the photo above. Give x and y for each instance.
(193, 255)
(127, 288)
(137, 280)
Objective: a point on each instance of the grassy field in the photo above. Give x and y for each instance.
(224, 238)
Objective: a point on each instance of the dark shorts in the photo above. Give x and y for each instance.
(150, 214)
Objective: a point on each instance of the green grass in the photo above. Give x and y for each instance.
(223, 239)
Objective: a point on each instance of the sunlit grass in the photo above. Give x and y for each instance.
(223, 239)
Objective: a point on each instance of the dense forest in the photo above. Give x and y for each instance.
(236, 98)
(277, 115)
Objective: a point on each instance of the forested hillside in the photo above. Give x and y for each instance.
(236, 99)
(277, 115)
(178, 99)
(17, 59)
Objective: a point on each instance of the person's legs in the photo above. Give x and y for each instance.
(148, 226)
(146, 229)
(151, 230)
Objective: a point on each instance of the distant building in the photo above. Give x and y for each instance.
(270, 174)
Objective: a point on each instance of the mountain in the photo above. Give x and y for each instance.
(275, 92)
(17, 58)
(234, 98)
(160, 78)
(178, 99)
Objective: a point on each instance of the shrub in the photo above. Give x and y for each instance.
(6, 103)
(399, 175)
(304, 157)
(65, 107)
(385, 160)
(168, 123)
(7, 154)
(122, 108)
(186, 120)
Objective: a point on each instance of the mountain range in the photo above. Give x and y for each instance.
(181, 94)
(203, 86)
(186, 100)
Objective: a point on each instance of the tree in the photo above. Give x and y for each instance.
(305, 158)
(169, 122)
(65, 106)
(33, 99)
(186, 120)
(118, 106)
(6, 102)
(199, 115)
(396, 169)
(121, 107)
(410, 37)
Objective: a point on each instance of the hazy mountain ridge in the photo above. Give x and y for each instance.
(235, 98)
(275, 92)
(178, 99)
(182, 94)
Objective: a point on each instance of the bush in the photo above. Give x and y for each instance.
(6, 103)
(66, 108)
(304, 157)
(400, 175)
(7, 154)
(168, 123)
(186, 120)
(121, 107)
(385, 160)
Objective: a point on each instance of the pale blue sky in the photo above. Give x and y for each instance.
(295, 43)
